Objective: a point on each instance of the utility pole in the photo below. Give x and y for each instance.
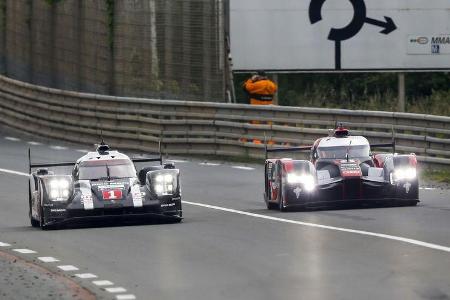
(401, 104)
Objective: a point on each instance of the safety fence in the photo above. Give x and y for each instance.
(141, 48)
(207, 128)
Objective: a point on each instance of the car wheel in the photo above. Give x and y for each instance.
(34, 223)
(271, 206)
(281, 206)
(413, 203)
(42, 218)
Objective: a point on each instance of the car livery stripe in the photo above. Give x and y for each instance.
(288, 165)
(86, 195)
(136, 193)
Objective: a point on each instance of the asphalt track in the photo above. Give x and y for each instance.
(230, 247)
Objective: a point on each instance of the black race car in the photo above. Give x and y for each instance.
(341, 169)
(103, 185)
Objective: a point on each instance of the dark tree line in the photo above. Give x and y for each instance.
(425, 92)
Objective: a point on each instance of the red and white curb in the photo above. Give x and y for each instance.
(120, 293)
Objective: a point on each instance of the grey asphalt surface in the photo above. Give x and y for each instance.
(215, 254)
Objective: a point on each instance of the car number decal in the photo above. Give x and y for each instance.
(112, 194)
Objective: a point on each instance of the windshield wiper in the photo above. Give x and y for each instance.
(115, 177)
(99, 179)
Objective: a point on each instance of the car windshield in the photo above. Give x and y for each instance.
(341, 151)
(107, 170)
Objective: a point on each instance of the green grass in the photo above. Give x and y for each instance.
(442, 176)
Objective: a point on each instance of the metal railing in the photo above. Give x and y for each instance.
(207, 128)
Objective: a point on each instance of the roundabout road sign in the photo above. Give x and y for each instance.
(353, 28)
(306, 35)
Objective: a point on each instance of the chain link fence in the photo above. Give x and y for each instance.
(142, 48)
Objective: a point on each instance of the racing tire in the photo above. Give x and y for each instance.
(34, 223)
(271, 206)
(413, 203)
(178, 220)
(42, 224)
(281, 206)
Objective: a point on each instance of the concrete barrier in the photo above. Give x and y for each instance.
(187, 127)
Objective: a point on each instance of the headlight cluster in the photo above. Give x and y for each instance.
(59, 189)
(306, 180)
(164, 184)
(405, 174)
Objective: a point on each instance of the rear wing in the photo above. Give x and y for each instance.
(285, 149)
(386, 145)
(160, 158)
(46, 165)
(70, 164)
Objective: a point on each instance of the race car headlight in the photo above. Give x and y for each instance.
(59, 189)
(164, 183)
(306, 180)
(405, 174)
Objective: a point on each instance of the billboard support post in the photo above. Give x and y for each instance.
(401, 105)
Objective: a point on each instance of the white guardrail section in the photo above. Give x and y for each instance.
(206, 128)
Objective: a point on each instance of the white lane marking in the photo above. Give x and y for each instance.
(361, 232)
(24, 251)
(126, 297)
(48, 259)
(4, 244)
(243, 168)
(82, 150)
(34, 143)
(58, 147)
(68, 268)
(368, 233)
(209, 164)
(178, 161)
(427, 188)
(102, 282)
(114, 290)
(14, 172)
(12, 139)
(86, 275)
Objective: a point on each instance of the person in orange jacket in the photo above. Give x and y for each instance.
(261, 91)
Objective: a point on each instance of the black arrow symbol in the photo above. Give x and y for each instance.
(388, 25)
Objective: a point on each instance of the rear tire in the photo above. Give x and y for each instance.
(413, 203)
(42, 219)
(271, 206)
(34, 223)
(281, 206)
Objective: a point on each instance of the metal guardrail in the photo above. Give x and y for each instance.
(206, 128)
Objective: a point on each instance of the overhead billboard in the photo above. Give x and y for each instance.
(340, 35)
